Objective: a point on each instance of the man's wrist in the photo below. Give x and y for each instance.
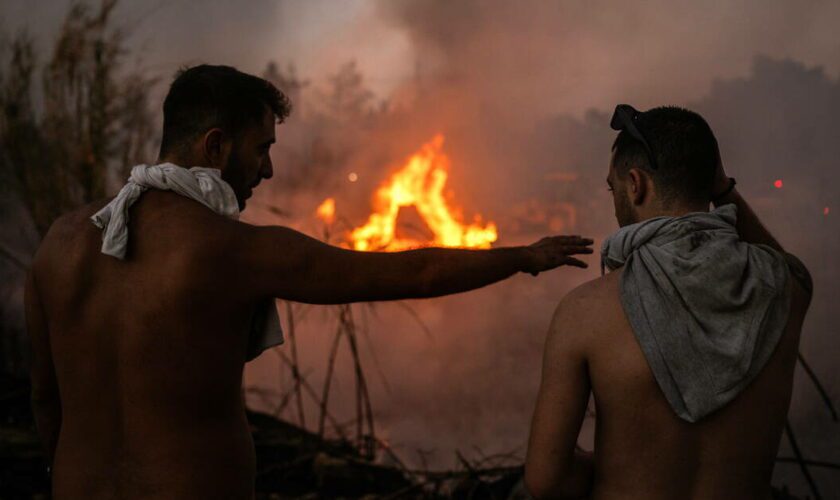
(722, 193)
(525, 260)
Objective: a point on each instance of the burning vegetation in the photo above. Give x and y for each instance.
(420, 184)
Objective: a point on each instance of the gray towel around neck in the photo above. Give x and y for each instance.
(706, 308)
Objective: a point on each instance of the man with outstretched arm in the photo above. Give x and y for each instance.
(143, 309)
(687, 346)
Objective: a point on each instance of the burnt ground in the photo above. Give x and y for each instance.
(291, 463)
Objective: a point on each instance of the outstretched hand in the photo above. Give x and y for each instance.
(556, 251)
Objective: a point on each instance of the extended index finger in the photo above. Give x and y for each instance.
(575, 240)
(572, 241)
(576, 249)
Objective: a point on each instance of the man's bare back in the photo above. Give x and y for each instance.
(643, 450)
(644, 377)
(148, 353)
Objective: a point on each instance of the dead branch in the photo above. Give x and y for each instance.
(820, 389)
(311, 392)
(290, 318)
(325, 393)
(803, 465)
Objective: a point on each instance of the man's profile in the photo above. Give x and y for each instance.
(687, 346)
(143, 309)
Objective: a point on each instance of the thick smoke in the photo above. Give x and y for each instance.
(523, 94)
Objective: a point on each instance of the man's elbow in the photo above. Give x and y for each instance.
(544, 485)
(536, 485)
(46, 406)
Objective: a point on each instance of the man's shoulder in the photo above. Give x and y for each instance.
(70, 225)
(599, 291)
(800, 274)
(592, 307)
(194, 223)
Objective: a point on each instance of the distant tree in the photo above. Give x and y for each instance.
(348, 99)
(92, 123)
(286, 80)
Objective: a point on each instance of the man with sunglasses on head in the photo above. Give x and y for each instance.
(687, 345)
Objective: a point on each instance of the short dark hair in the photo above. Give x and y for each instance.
(203, 97)
(685, 149)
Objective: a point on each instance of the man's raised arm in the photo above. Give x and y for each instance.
(284, 263)
(750, 228)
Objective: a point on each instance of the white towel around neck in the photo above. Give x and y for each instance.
(204, 185)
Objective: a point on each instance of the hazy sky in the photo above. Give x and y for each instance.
(317, 36)
(566, 56)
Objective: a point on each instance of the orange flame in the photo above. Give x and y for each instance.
(326, 210)
(419, 184)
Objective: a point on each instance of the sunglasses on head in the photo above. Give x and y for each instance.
(626, 117)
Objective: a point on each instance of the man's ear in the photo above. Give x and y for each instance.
(216, 148)
(636, 186)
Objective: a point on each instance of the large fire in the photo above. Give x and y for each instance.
(419, 183)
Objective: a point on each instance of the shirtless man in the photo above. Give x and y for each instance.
(654, 439)
(137, 363)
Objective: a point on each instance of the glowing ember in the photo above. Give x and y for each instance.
(778, 184)
(326, 211)
(419, 184)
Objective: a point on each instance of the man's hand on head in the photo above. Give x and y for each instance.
(556, 251)
(721, 182)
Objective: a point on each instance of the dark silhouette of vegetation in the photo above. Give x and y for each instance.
(89, 123)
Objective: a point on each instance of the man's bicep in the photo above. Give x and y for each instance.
(276, 261)
(36, 328)
(284, 263)
(43, 372)
(561, 404)
(46, 403)
(800, 273)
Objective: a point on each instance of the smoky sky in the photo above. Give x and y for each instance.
(556, 56)
(571, 55)
(471, 385)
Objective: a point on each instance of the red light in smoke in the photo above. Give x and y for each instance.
(778, 184)
(825, 211)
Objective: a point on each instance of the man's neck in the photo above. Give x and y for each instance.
(180, 161)
(170, 159)
(671, 210)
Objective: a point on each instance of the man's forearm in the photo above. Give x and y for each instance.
(446, 271)
(433, 272)
(749, 227)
